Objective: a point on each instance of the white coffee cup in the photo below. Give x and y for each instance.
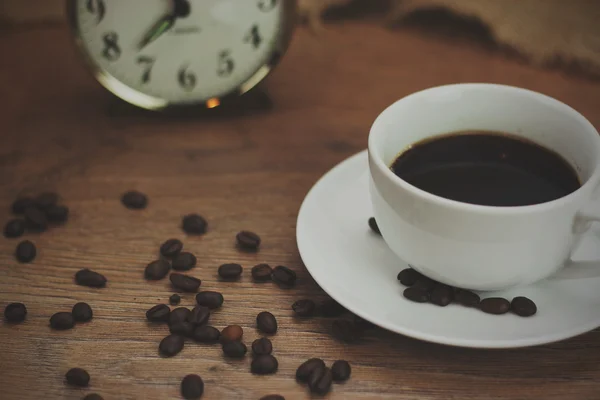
(473, 246)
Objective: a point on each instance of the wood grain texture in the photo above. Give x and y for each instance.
(63, 132)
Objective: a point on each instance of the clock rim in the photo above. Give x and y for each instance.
(154, 103)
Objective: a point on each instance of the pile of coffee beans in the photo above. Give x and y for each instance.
(319, 377)
(81, 312)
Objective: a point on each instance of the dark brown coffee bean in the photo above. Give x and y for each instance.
(494, 305)
(87, 277)
(174, 299)
(184, 283)
(409, 276)
(21, 204)
(171, 345)
(157, 270)
(184, 261)
(340, 371)
(134, 200)
(362, 323)
(247, 240)
(14, 228)
(266, 322)
(232, 333)
(234, 349)
(179, 314)
(262, 272)
(15, 312)
(25, 251)
(230, 272)
(62, 321)
(185, 329)
(373, 226)
(206, 334)
(35, 219)
(284, 276)
(158, 313)
(194, 224)
(415, 294)
(425, 283)
(523, 307)
(307, 367)
(320, 380)
(57, 214)
(264, 364)
(209, 299)
(467, 298)
(331, 308)
(262, 346)
(345, 331)
(304, 307)
(192, 387)
(272, 397)
(77, 377)
(46, 200)
(82, 312)
(93, 396)
(171, 248)
(199, 315)
(441, 295)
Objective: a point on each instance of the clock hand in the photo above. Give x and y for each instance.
(180, 9)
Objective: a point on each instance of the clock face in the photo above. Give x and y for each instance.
(163, 52)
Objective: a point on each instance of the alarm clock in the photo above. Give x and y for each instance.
(159, 54)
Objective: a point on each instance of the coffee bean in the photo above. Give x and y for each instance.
(46, 200)
(409, 276)
(158, 313)
(362, 323)
(134, 200)
(467, 298)
(184, 283)
(184, 261)
(272, 397)
(15, 312)
(442, 295)
(35, 219)
(266, 322)
(171, 248)
(262, 346)
(373, 226)
(57, 214)
(209, 299)
(307, 367)
(262, 272)
(304, 307)
(157, 270)
(174, 299)
(199, 315)
(284, 276)
(234, 349)
(232, 333)
(415, 294)
(25, 252)
(206, 334)
(14, 228)
(62, 321)
(248, 240)
(425, 283)
(171, 345)
(494, 305)
(87, 277)
(340, 371)
(523, 307)
(185, 329)
(82, 312)
(21, 204)
(192, 387)
(194, 224)
(320, 381)
(230, 272)
(264, 364)
(345, 331)
(179, 314)
(93, 396)
(77, 377)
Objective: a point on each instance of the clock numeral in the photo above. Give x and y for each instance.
(98, 8)
(111, 51)
(226, 64)
(266, 5)
(187, 79)
(148, 63)
(253, 37)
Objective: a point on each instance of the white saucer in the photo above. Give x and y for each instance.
(356, 268)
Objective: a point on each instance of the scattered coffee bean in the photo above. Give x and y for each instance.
(25, 252)
(192, 387)
(234, 349)
(409, 276)
(184, 283)
(467, 298)
(184, 261)
(21, 204)
(57, 214)
(304, 307)
(264, 364)
(345, 331)
(416, 294)
(93, 396)
(185, 329)
(523, 307)
(62, 321)
(15, 312)
(179, 314)
(46, 200)
(82, 312)
(171, 345)
(35, 219)
(362, 323)
(134, 200)
(262, 346)
(209, 299)
(232, 333)
(307, 367)
(194, 224)
(230, 272)
(262, 272)
(174, 299)
(77, 377)
(157, 270)
(284, 276)
(373, 226)
(425, 283)
(494, 305)
(248, 240)
(199, 315)
(266, 322)
(158, 313)
(14, 228)
(340, 371)
(320, 380)
(442, 295)
(206, 334)
(87, 277)
(171, 248)
(272, 397)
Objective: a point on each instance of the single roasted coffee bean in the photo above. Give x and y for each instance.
(46, 200)
(199, 315)
(134, 200)
(345, 331)
(307, 367)
(441, 295)
(467, 298)
(184, 283)
(206, 334)
(77, 377)
(494, 305)
(272, 397)
(331, 308)
(340, 371)
(25, 252)
(57, 214)
(35, 219)
(21, 204)
(234, 349)
(192, 387)
(230, 272)
(171, 345)
(158, 313)
(262, 272)
(93, 396)
(179, 314)
(248, 240)
(425, 283)
(232, 333)
(264, 364)
(304, 307)
(82, 312)
(14, 228)
(209, 299)
(194, 224)
(185, 329)
(320, 380)
(184, 261)
(373, 226)
(409, 276)
(416, 294)
(15, 312)
(262, 346)
(174, 299)
(523, 307)
(62, 321)
(266, 322)
(87, 277)
(171, 248)
(157, 270)
(284, 276)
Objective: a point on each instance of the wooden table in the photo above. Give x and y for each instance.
(61, 131)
